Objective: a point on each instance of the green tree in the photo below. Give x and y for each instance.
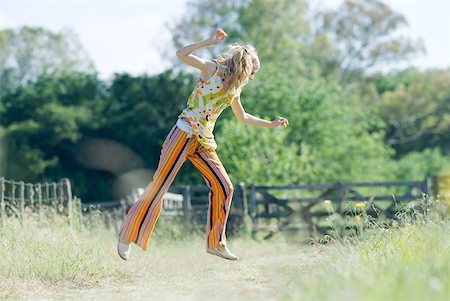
(363, 36)
(44, 120)
(415, 105)
(142, 109)
(339, 139)
(343, 43)
(278, 29)
(28, 52)
(259, 156)
(52, 124)
(342, 140)
(418, 165)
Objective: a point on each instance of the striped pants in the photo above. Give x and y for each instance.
(141, 219)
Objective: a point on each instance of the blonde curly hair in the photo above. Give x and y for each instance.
(239, 63)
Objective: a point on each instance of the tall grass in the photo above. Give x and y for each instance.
(43, 254)
(45, 257)
(407, 260)
(46, 254)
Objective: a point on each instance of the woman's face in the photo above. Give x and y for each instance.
(256, 67)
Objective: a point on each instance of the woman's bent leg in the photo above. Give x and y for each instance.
(208, 163)
(141, 218)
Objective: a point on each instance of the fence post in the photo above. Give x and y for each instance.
(252, 209)
(39, 192)
(243, 207)
(61, 195)
(55, 197)
(13, 194)
(47, 191)
(22, 199)
(187, 203)
(31, 196)
(2, 201)
(66, 182)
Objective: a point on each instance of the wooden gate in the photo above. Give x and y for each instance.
(308, 208)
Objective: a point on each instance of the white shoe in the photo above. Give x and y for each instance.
(224, 253)
(124, 250)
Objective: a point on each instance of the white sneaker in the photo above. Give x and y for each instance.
(224, 253)
(124, 250)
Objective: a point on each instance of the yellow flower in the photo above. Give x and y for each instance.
(357, 218)
(359, 204)
(327, 201)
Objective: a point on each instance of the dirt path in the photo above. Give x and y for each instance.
(191, 274)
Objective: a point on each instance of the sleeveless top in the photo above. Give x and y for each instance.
(204, 106)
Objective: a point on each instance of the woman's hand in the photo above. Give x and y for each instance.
(219, 36)
(279, 122)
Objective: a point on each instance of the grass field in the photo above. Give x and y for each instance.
(46, 259)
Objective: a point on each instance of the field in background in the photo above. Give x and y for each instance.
(46, 258)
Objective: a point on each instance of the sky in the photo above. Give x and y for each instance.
(130, 36)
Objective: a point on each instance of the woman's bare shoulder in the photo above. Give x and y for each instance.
(211, 67)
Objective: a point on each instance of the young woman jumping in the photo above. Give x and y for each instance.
(219, 86)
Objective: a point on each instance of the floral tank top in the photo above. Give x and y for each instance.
(204, 106)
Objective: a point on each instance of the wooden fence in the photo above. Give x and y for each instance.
(112, 213)
(195, 199)
(16, 197)
(187, 202)
(272, 209)
(305, 208)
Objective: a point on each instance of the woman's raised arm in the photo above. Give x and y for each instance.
(205, 66)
